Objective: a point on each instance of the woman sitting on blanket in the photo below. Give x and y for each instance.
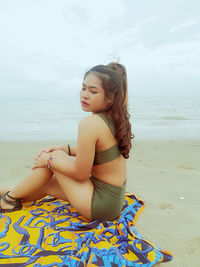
(91, 176)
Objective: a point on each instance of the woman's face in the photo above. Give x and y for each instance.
(92, 94)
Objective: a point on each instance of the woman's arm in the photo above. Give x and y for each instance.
(65, 148)
(80, 167)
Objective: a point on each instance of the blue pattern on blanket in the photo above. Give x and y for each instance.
(49, 232)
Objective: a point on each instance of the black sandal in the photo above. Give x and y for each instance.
(16, 203)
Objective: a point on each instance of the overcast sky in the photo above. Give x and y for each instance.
(47, 45)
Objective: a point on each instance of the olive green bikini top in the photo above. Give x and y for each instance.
(103, 156)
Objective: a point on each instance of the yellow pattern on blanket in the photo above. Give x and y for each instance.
(49, 232)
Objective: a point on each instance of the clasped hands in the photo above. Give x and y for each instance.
(44, 155)
(41, 160)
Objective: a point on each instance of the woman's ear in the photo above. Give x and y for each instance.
(110, 99)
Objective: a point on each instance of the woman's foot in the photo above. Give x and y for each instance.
(9, 203)
(4, 190)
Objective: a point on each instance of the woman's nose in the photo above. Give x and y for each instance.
(85, 94)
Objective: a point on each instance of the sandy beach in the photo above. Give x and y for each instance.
(165, 174)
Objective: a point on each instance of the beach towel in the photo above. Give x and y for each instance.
(50, 232)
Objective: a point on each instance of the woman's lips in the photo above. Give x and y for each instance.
(84, 104)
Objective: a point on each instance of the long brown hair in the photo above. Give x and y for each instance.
(114, 83)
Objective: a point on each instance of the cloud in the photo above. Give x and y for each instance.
(48, 44)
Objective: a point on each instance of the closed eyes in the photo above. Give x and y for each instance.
(92, 91)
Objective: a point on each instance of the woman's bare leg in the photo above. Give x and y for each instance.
(33, 183)
(37, 183)
(79, 193)
(52, 188)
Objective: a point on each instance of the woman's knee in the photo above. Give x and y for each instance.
(43, 171)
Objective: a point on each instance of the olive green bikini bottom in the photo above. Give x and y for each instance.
(107, 200)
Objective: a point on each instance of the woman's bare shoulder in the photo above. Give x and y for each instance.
(91, 121)
(91, 126)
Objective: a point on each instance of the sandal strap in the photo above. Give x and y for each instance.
(14, 198)
(17, 203)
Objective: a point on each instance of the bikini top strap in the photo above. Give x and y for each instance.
(108, 122)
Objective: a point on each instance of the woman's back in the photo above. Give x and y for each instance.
(114, 170)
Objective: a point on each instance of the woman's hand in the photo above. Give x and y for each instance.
(41, 161)
(49, 149)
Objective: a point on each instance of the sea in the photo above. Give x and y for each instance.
(49, 120)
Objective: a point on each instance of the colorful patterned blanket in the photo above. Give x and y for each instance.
(49, 232)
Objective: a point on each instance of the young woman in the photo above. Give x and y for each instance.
(91, 176)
